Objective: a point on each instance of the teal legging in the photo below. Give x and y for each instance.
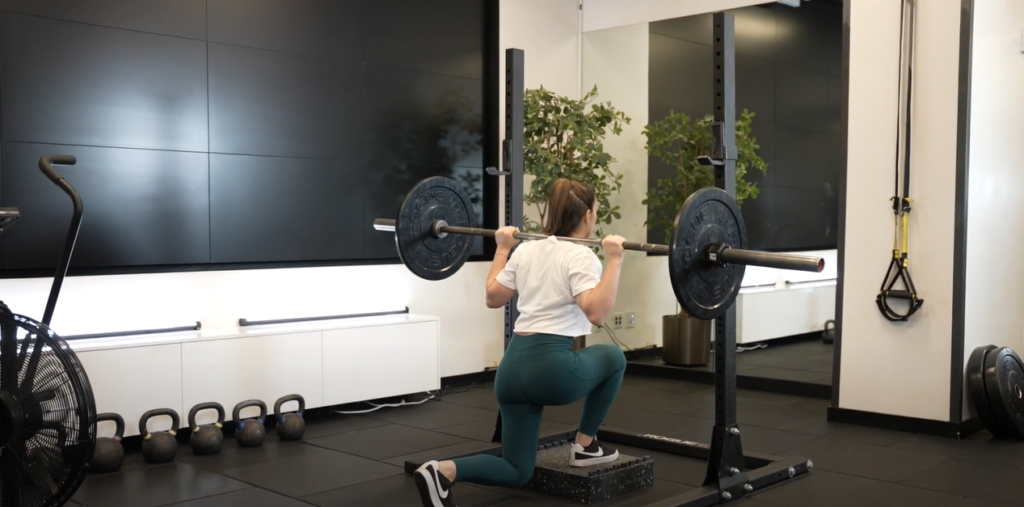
(537, 371)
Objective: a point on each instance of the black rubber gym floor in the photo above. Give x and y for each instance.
(348, 460)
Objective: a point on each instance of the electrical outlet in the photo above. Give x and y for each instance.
(617, 319)
(630, 319)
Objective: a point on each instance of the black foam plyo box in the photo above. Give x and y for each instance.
(588, 485)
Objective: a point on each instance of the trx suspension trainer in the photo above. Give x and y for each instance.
(899, 267)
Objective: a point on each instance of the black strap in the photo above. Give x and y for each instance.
(901, 202)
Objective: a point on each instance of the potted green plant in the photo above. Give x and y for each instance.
(564, 138)
(678, 141)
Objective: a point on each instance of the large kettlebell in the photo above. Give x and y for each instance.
(290, 426)
(208, 438)
(108, 454)
(250, 432)
(159, 447)
(829, 335)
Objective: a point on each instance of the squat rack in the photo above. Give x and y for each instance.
(731, 473)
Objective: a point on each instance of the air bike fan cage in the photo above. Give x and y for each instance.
(47, 409)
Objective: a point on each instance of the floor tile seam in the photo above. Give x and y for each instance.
(232, 492)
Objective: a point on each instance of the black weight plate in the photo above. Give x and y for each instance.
(976, 388)
(1004, 374)
(425, 254)
(704, 289)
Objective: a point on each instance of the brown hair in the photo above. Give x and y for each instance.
(568, 206)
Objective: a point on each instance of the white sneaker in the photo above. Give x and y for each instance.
(435, 488)
(594, 454)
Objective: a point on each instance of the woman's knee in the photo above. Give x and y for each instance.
(523, 476)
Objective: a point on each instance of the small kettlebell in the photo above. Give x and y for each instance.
(208, 438)
(250, 432)
(829, 335)
(290, 426)
(159, 447)
(108, 454)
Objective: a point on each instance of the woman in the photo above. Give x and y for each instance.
(562, 292)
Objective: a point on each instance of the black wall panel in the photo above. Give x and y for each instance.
(788, 73)
(801, 99)
(285, 105)
(142, 207)
(439, 36)
(3, 237)
(324, 28)
(69, 83)
(282, 209)
(237, 131)
(673, 80)
(180, 18)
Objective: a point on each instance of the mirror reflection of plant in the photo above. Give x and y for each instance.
(563, 139)
(446, 140)
(678, 142)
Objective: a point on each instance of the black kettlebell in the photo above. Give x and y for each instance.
(159, 447)
(208, 438)
(290, 426)
(250, 432)
(829, 335)
(108, 454)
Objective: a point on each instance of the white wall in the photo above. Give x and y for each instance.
(995, 288)
(909, 362)
(603, 14)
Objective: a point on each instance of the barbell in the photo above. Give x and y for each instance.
(435, 229)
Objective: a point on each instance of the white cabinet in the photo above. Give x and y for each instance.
(131, 381)
(375, 362)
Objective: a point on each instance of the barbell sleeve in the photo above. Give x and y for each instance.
(384, 224)
(771, 260)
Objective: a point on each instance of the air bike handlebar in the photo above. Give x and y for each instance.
(46, 166)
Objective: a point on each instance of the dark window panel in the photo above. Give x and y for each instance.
(280, 104)
(439, 36)
(802, 99)
(675, 81)
(68, 83)
(802, 156)
(835, 105)
(384, 197)
(279, 209)
(793, 217)
(417, 123)
(809, 40)
(755, 89)
(181, 18)
(324, 28)
(756, 32)
(142, 207)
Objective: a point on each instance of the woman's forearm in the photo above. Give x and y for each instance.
(603, 297)
(500, 259)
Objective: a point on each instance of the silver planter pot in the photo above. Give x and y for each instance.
(686, 341)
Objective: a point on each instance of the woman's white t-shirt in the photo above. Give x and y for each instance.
(548, 275)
